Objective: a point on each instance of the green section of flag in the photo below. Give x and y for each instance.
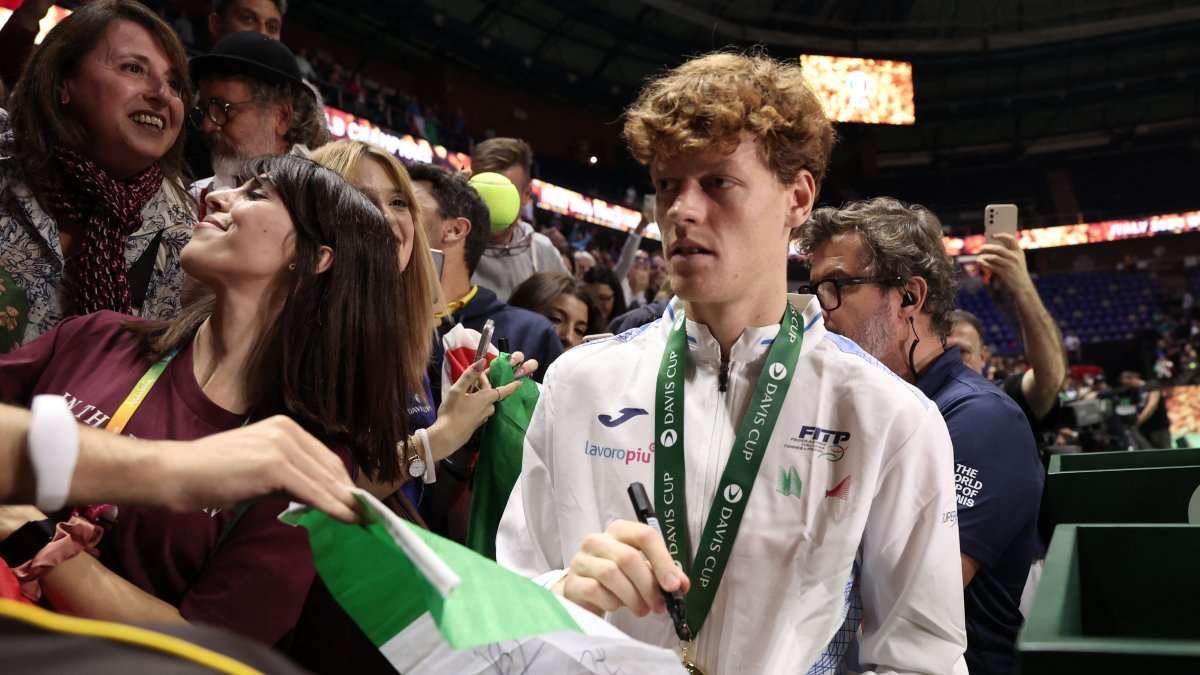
(499, 458)
(374, 580)
(375, 583)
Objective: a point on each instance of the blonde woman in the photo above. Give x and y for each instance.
(385, 181)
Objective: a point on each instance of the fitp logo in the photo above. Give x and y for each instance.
(777, 371)
(733, 494)
(668, 438)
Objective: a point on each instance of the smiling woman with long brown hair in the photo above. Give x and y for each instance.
(303, 317)
(92, 209)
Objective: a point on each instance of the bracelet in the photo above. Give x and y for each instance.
(430, 472)
(53, 450)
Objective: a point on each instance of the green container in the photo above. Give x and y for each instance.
(1151, 486)
(1116, 599)
(1139, 459)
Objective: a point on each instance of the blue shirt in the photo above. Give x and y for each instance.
(998, 478)
(421, 415)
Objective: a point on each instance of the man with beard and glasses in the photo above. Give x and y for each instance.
(252, 102)
(884, 280)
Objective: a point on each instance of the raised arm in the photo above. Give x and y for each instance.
(629, 251)
(1043, 342)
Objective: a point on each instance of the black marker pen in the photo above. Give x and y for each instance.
(645, 514)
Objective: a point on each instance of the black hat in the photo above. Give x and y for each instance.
(253, 54)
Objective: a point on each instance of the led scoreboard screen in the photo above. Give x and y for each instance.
(872, 91)
(53, 16)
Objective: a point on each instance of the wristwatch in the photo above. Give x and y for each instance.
(25, 542)
(416, 465)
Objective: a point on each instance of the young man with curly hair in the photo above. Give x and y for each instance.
(805, 493)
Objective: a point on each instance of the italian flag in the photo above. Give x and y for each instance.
(433, 606)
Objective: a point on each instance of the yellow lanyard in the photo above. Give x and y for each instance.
(138, 394)
(452, 307)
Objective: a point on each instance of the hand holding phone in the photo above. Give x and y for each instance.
(648, 206)
(999, 219)
(485, 339)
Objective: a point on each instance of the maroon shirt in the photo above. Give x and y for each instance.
(256, 582)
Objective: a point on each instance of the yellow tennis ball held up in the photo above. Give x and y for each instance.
(500, 195)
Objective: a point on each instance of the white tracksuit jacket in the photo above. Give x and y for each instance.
(860, 465)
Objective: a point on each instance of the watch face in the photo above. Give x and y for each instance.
(416, 468)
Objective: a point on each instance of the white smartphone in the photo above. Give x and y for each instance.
(648, 204)
(999, 219)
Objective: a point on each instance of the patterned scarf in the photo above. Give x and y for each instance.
(106, 211)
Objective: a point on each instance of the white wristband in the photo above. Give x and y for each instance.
(53, 450)
(430, 473)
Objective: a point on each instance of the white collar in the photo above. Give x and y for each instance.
(754, 342)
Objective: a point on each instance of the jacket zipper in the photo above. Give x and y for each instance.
(723, 378)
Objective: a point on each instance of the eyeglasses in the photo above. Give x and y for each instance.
(510, 249)
(829, 291)
(216, 110)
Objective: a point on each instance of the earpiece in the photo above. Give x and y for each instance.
(908, 299)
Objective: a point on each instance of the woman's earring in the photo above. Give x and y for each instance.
(292, 266)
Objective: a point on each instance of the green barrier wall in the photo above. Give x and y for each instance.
(1152, 486)
(1116, 599)
(1142, 459)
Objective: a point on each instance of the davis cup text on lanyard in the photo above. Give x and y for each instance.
(725, 514)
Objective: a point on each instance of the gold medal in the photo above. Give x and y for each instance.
(689, 665)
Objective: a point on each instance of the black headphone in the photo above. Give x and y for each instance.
(908, 299)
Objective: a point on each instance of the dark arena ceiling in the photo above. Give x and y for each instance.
(995, 81)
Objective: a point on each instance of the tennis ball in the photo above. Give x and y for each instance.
(500, 195)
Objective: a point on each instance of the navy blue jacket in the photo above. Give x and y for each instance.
(998, 479)
(527, 332)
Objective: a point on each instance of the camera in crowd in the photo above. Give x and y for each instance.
(1099, 418)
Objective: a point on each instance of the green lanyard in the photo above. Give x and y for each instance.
(733, 492)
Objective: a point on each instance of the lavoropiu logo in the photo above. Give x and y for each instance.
(624, 455)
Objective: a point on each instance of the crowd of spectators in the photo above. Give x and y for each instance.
(351, 90)
(287, 299)
(1176, 359)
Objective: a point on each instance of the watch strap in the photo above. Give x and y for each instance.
(430, 470)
